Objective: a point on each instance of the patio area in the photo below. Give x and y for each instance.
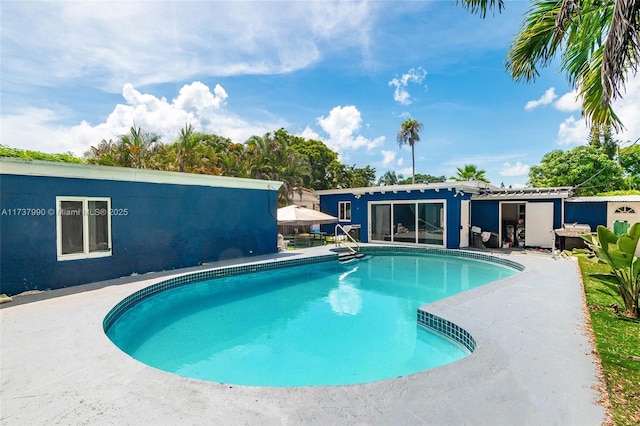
(533, 364)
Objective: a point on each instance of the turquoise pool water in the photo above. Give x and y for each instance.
(319, 324)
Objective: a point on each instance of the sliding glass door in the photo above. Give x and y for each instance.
(380, 221)
(431, 223)
(408, 222)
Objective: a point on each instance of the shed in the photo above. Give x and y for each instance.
(603, 210)
(522, 216)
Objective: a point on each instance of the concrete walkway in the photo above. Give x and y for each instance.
(532, 366)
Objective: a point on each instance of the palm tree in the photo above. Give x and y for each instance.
(390, 178)
(470, 172)
(137, 146)
(273, 158)
(602, 139)
(107, 153)
(601, 42)
(191, 152)
(410, 133)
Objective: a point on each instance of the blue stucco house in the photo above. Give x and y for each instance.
(67, 224)
(434, 214)
(450, 214)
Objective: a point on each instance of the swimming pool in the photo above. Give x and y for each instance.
(323, 323)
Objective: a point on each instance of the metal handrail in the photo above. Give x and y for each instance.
(346, 232)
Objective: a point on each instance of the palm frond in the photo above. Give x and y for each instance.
(622, 47)
(481, 7)
(537, 41)
(567, 13)
(595, 112)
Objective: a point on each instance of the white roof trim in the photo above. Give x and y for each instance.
(524, 194)
(606, 198)
(15, 166)
(467, 186)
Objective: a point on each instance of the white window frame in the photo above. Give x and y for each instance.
(86, 254)
(625, 210)
(342, 206)
(392, 203)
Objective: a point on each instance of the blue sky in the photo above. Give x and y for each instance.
(346, 73)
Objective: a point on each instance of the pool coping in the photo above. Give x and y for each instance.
(532, 365)
(424, 319)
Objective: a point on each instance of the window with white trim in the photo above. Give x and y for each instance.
(344, 211)
(625, 209)
(83, 227)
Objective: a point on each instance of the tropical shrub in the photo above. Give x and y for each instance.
(620, 254)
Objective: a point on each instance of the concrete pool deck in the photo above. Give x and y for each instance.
(533, 364)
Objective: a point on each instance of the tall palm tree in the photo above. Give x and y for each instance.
(410, 133)
(601, 43)
(470, 172)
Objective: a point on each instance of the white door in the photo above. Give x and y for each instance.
(538, 224)
(464, 223)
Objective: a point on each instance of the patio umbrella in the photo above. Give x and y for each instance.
(296, 215)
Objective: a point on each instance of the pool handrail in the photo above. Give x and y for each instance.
(345, 229)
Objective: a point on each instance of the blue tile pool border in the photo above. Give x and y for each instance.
(444, 252)
(433, 322)
(446, 328)
(424, 318)
(221, 272)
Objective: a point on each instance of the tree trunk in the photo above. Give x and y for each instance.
(413, 165)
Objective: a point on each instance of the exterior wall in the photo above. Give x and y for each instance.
(591, 213)
(360, 210)
(631, 218)
(167, 226)
(558, 220)
(486, 215)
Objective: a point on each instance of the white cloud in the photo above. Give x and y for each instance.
(388, 157)
(628, 110)
(175, 41)
(36, 129)
(568, 102)
(343, 126)
(195, 104)
(309, 133)
(400, 93)
(545, 99)
(197, 98)
(406, 172)
(572, 131)
(516, 169)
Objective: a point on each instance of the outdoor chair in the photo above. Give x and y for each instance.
(282, 243)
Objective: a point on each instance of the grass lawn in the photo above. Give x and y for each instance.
(618, 343)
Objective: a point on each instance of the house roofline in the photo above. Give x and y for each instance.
(17, 166)
(524, 193)
(478, 190)
(466, 186)
(606, 198)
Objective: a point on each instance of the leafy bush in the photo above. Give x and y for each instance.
(26, 154)
(620, 254)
